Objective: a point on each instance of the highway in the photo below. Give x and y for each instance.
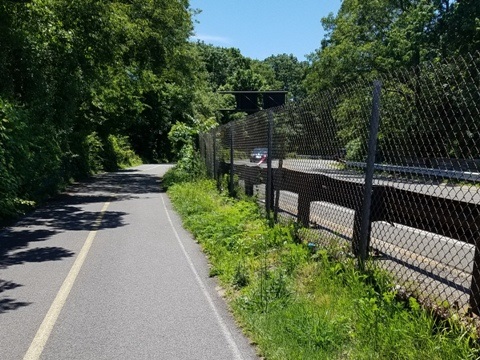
(423, 184)
(438, 265)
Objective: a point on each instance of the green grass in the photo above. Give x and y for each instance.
(295, 303)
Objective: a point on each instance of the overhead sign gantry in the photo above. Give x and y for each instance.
(249, 101)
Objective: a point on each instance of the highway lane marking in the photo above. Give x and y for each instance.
(38, 344)
(226, 332)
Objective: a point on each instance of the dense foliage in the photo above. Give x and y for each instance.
(85, 86)
(425, 52)
(368, 38)
(83, 80)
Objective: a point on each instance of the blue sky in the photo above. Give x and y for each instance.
(260, 28)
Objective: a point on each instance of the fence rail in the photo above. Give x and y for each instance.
(391, 165)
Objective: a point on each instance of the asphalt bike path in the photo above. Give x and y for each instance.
(107, 272)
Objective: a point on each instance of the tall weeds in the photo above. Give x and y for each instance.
(299, 303)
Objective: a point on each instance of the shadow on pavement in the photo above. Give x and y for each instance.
(74, 218)
(35, 255)
(8, 304)
(124, 182)
(66, 213)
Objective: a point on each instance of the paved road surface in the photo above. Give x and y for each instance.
(107, 272)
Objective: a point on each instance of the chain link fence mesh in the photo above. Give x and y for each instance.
(309, 161)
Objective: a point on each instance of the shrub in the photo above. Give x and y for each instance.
(93, 149)
(118, 153)
(190, 167)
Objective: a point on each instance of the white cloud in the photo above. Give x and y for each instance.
(211, 38)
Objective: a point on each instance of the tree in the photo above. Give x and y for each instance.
(289, 72)
(354, 45)
(74, 76)
(266, 72)
(221, 63)
(369, 38)
(461, 26)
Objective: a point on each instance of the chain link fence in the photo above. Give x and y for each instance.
(388, 168)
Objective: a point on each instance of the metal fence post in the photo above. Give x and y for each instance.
(269, 185)
(231, 183)
(206, 154)
(214, 155)
(365, 222)
(475, 283)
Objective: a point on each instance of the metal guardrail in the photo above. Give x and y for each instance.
(440, 173)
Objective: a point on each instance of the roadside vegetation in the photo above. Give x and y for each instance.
(95, 85)
(297, 300)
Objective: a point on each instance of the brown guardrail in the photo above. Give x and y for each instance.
(452, 218)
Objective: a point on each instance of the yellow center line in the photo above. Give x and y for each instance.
(43, 333)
